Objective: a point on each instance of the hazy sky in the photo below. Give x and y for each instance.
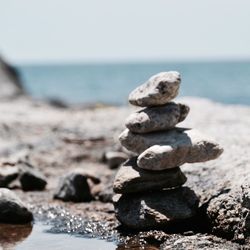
(128, 30)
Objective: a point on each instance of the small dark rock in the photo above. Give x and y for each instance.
(58, 103)
(12, 210)
(31, 179)
(76, 186)
(104, 193)
(115, 159)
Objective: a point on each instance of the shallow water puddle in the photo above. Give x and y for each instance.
(37, 237)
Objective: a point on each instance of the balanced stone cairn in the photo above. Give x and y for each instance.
(150, 183)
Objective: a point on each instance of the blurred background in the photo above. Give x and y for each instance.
(88, 51)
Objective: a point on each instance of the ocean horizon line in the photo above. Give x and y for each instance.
(130, 62)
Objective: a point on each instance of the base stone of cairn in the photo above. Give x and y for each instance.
(156, 209)
(151, 184)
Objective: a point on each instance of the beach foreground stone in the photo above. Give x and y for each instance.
(168, 149)
(76, 186)
(158, 90)
(156, 209)
(131, 179)
(31, 179)
(12, 209)
(157, 118)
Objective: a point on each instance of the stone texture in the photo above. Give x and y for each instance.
(157, 118)
(168, 149)
(230, 214)
(167, 157)
(131, 179)
(12, 210)
(158, 90)
(7, 175)
(114, 159)
(76, 186)
(156, 209)
(198, 241)
(30, 178)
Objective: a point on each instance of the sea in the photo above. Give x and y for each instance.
(111, 83)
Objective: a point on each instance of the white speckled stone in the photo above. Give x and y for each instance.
(158, 90)
(157, 118)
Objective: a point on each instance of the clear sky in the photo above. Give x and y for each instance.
(128, 30)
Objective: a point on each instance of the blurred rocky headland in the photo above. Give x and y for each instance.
(49, 152)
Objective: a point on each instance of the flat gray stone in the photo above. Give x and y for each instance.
(12, 209)
(157, 118)
(168, 149)
(131, 179)
(158, 90)
(156, 209)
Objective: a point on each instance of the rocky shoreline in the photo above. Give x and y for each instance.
(57, 141)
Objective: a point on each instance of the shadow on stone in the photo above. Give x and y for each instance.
(154, 210)
(131, 179)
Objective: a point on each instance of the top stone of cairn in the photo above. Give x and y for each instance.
(158, 90)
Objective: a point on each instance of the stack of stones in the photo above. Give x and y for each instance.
(150, 184)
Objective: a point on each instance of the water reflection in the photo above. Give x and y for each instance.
(12, 235)
(43, 238)
(26, 237)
